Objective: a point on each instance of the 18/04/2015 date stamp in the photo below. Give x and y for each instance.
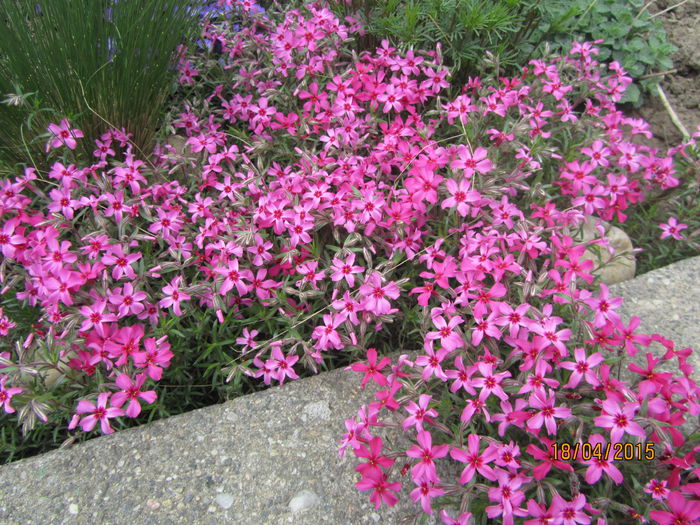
(607, 452)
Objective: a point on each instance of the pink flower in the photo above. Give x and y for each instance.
(426, 452)
(598, 466)
(156, 357)
(419, 413)
(174, 296)
(131, 391)
(372, 369)
(345, 270)
(373, 454)
(619, 419)
(248, 340)
(657, 489)
(431, 362)
(461, 376)
(582, 368)
(121, 261)
(425, 491)
(310, 273)
(63, 134)
(376, 295)
(547, 412)
(471, 162)
(681, 511)
(6, 395)
(463, 519)
(382, 490)
(233, 276)
(127, 300)
(95, 317)
(284, 365)
(507, 498)
(546, 458)
(672, 229)
(476, 461)
(449, 339)
(327, 334)
(490, 383)
(98, 412)
(569, 513)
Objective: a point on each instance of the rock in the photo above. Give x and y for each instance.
(613, 267)
(303, 500)
(224, 501)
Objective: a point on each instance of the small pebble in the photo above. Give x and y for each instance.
(224, 500)
(304, 500)
(73, 509)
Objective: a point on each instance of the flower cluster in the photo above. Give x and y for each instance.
(341, 193)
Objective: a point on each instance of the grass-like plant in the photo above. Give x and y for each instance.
(91, 60)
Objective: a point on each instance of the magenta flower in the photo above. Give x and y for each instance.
(431, 362)
(546, 413)
(490, 383)
(507, 498)
(157, 355)
(63, 134)
(284, 364)
(569, 513)
(95, 317)
(449, 339)
(463, 519)
(485, 327)
(382, 490)
(419, 413)
(598, 466)
(121, 261)
(174, 296)
(425, 491)
(373, 456)
(619, 419)
(376, 295)
(582, 368)
(476, 461)
(461, 376)
(372, 369)
(6, 395)
(345, 270)
(471, 162)
(426, 452)
(131, 391)
(98, 412)
(682, 511)
(127, 300)
(248, 340)
(657, 489)
(310, 273)
(672, 229)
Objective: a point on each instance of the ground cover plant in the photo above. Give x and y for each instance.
(324, 208)
(91, 60)
(479, 36)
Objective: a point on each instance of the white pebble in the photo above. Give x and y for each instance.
(224, 500)
(73, 509)
(303, 500)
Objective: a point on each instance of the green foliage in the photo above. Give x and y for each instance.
(630, 34)
(466, 29)
(116, 58)
(479, 35)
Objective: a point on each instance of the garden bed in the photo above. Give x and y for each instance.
(315, 206)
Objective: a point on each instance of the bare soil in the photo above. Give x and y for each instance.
(682, 88)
